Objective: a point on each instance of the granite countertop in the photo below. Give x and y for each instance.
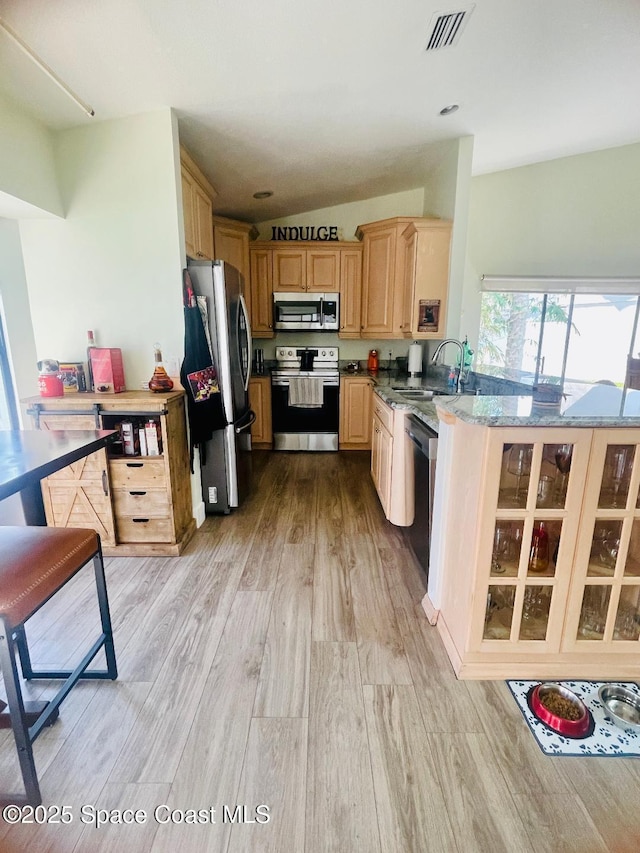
(604, 406)
(424, 410)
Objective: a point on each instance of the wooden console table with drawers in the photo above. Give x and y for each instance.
(140, 505)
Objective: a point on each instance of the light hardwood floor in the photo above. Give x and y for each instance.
(284, 661)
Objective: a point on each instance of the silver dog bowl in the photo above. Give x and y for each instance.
(621, 705)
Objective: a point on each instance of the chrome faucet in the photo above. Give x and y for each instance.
(461, 378)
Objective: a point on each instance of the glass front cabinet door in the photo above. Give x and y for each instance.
(604, 606)
(535, 479)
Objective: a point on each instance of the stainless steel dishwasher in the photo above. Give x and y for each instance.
(425, 448)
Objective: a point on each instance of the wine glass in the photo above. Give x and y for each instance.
(519, 464)
(564, 453)
(501, 549)
(618, 471)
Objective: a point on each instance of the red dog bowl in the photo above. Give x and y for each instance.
(562, 701)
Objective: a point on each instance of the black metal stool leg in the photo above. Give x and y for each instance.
(105, 615)
(23, 651)
(18, 717)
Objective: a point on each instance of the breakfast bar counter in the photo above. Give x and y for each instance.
(535, 564)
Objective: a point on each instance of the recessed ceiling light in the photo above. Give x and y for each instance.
(263, 194)
(452, 108)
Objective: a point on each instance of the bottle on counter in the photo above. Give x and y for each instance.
(90, 346)
(372, 362)
(160, 381)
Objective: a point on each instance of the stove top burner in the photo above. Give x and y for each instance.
(290, 359)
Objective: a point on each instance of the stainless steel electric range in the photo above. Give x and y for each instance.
(305, 387)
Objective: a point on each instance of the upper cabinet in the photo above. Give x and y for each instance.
(350, 292)
(197, 205)
(261, 292)
(289, 269)
(292, 267)
(323, 270)
(405, 264)
(306, 269)
(426, 246)
(231, 244)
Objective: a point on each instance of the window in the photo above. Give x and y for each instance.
(563, 338)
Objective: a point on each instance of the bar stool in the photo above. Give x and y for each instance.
(35, 563)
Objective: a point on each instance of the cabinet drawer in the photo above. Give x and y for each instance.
(153, 503)
(137, 473)
(383, 412)
(144, 529)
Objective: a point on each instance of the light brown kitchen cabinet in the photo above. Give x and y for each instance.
(140, 505)
(260, 402)
(197, 208)
(350, 292)
(426, 246)
(545, 581)
(355, 412)
(381, 459)
(231, 244)
(261, 292)
(305, 267)
(289, 269)
(323, 270)
(231, 239)
(384, 277)
(392, 463)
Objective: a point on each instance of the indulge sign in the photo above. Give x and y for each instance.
(304, 232)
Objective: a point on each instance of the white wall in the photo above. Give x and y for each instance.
(447, 196)
(27, 170)
(15, 308)
(572, 216)
(348, 216)
(114, 263)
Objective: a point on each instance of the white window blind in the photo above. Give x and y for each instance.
(559, 284)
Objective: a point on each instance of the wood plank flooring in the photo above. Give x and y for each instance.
(283, 666)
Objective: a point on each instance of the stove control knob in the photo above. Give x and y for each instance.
(290, 353)
(323, 353)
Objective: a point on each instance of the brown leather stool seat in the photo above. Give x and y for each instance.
(36, 562)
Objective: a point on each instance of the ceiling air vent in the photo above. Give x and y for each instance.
(446, 28)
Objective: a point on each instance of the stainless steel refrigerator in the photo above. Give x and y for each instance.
(226, 460)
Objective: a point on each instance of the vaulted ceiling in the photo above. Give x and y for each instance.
(335, 101)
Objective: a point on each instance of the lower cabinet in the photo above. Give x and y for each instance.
(355, 412)
(139, 504)
(392, 463)
(541, 575)
(260, 402)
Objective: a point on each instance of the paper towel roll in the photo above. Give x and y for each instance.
(415, 359)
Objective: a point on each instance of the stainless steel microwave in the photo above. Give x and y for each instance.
(298, 312)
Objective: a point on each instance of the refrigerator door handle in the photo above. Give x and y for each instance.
(245, 422)
(243, 306)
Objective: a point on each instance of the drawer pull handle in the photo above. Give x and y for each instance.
(137, 493)
(105, 483)
(139, 520)
(134, 464)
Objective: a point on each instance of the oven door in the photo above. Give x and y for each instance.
(302, 427)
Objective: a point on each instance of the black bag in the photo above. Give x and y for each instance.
(199, 377)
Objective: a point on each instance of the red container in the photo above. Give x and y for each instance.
(50, 385)
(570, 728)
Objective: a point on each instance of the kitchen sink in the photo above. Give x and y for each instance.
(417, 393)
